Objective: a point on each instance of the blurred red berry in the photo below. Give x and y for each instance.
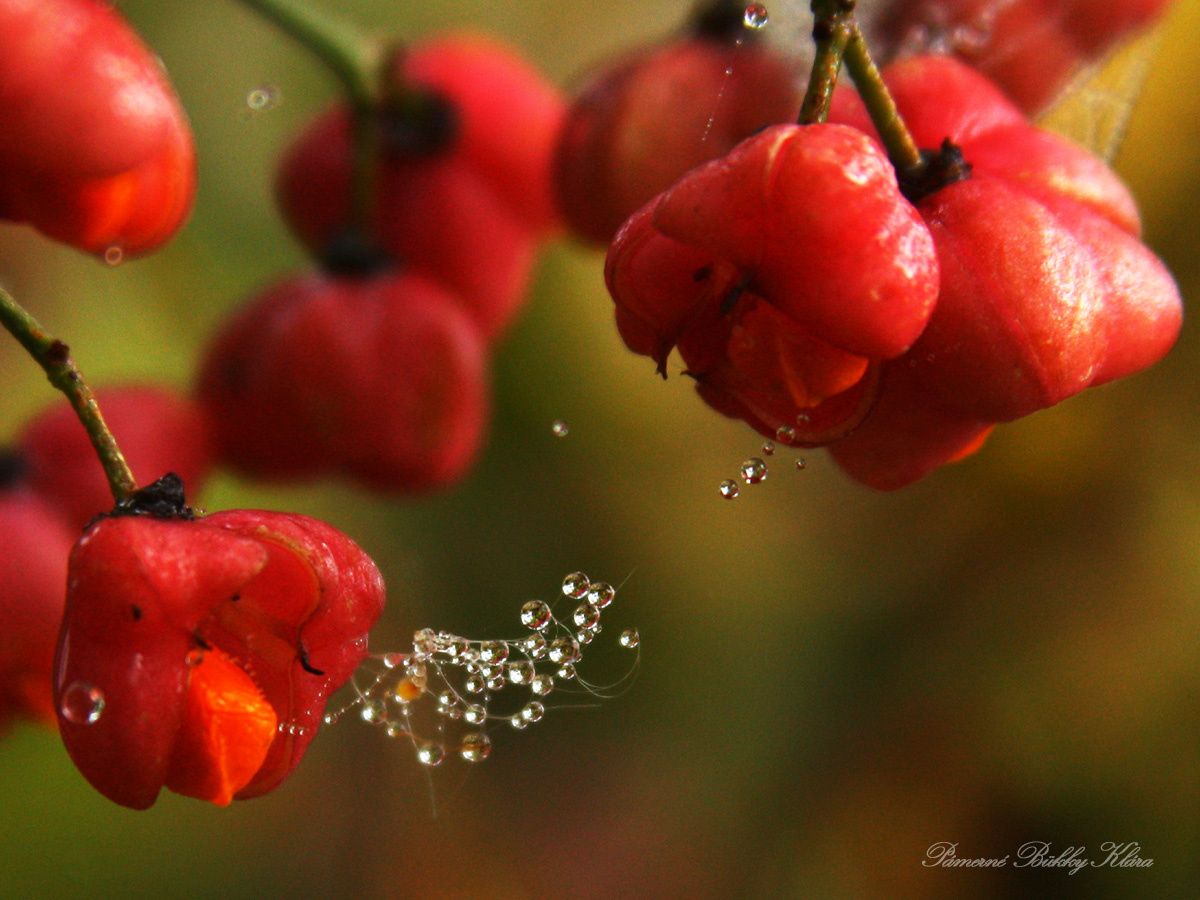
(382, 378)
(1028, 48)
(158, 430)
(199, 654)
(784, 272)
(1045, 287)
(645, 120)
(33, 573)
(95, 150)
(463, 190)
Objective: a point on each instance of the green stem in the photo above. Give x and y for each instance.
(832, 26)
(55, 358)
(359, 63)
(898, 141)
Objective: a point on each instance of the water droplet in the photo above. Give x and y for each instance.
(114, 255)
(394, 660)
(754, 470)
(560, 428)
(768, 449)
(542, 684)
(331, 718)
(566, 672)
(728, 489)
(493, 651)
(563, 650)
(475, 715)
(533, 711)
(785, 434)
(520, 672)
(517, 722)
(630, 638)
(82, 703)
(535, 646)
(575, 585)
(496, 683)
(455, 647)
(475, 684)
(425, 642)
(584, 636)
(756, 16)
(395, 730)
(475, 747)
(802, 419)
(601, 594)
(587, 615)
(447, 699)
(430, 755)
(801, 464)
(262, 98)
(535, 614)
(373, 712)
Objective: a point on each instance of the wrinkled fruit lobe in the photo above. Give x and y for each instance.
(213, 645)
(784, 272)
(95, 149)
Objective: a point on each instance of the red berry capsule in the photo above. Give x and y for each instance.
(1045, 287)
(199, 655)
(382, 378)
(463, 190)
(644, 121)
(784, 271)
(95, 150)
(158, 430)
(33, 570)
(1029, 48)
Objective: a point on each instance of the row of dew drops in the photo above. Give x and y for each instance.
(456, 687)
(755, 470)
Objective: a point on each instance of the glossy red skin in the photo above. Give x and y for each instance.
(837, 269)
(95, 149)
(158, 430)
(645, 120)
(1045, 287)
(383, 379)
(470, 215)
(33, 571)
(1029, 48)
(265, 588)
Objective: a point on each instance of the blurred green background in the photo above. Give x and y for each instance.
(832, 680)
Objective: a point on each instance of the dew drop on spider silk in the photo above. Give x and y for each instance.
(728, 489)
(566, 671)
(395, 730)
(535, 646)
(82, 703)
(630, 638)
(430, 754)
(564, 650)
(394, 660)
(520, 672)
(533, 712)
(584, 636)
(754, 470)
(560, 428)
(785, 434)
(475, 715)
(475, 684)
(114, 255)
(587, 615)
(756, 16)
(517, 722)
(535, 614)
(373, 712)
(601, 595)
(542, 684)
(575, 585)
(493, 651)
(260, 99)
(475, 747)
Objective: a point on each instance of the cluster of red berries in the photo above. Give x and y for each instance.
(828, 296)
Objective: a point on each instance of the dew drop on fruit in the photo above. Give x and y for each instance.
(630, 638)
(754, 470)
(430, 755)
(82, 703)
(560, 428)
(114, 255)
(768, 449)
(475, 747)
(728, 489)
(785, 434)
(756, 16)
(801, 464)
(535, 614)
(575, 585)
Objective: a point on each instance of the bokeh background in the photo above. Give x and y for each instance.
(831, 679)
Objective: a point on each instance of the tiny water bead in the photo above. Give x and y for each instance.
(82, 703)
(442, 696)
(630, 638)
(729, 489)
(768, 449)
(801, 464)
(785, 434)
(260, 99)
(560, 428)
(754, 471)
(756, 16)
(114, 255)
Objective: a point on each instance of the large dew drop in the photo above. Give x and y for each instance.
(630, 638)
(729, 490)
(575, 585)
(754, 471)
(475, 747)
(535, 614)
(756, 16)
(82, 703)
